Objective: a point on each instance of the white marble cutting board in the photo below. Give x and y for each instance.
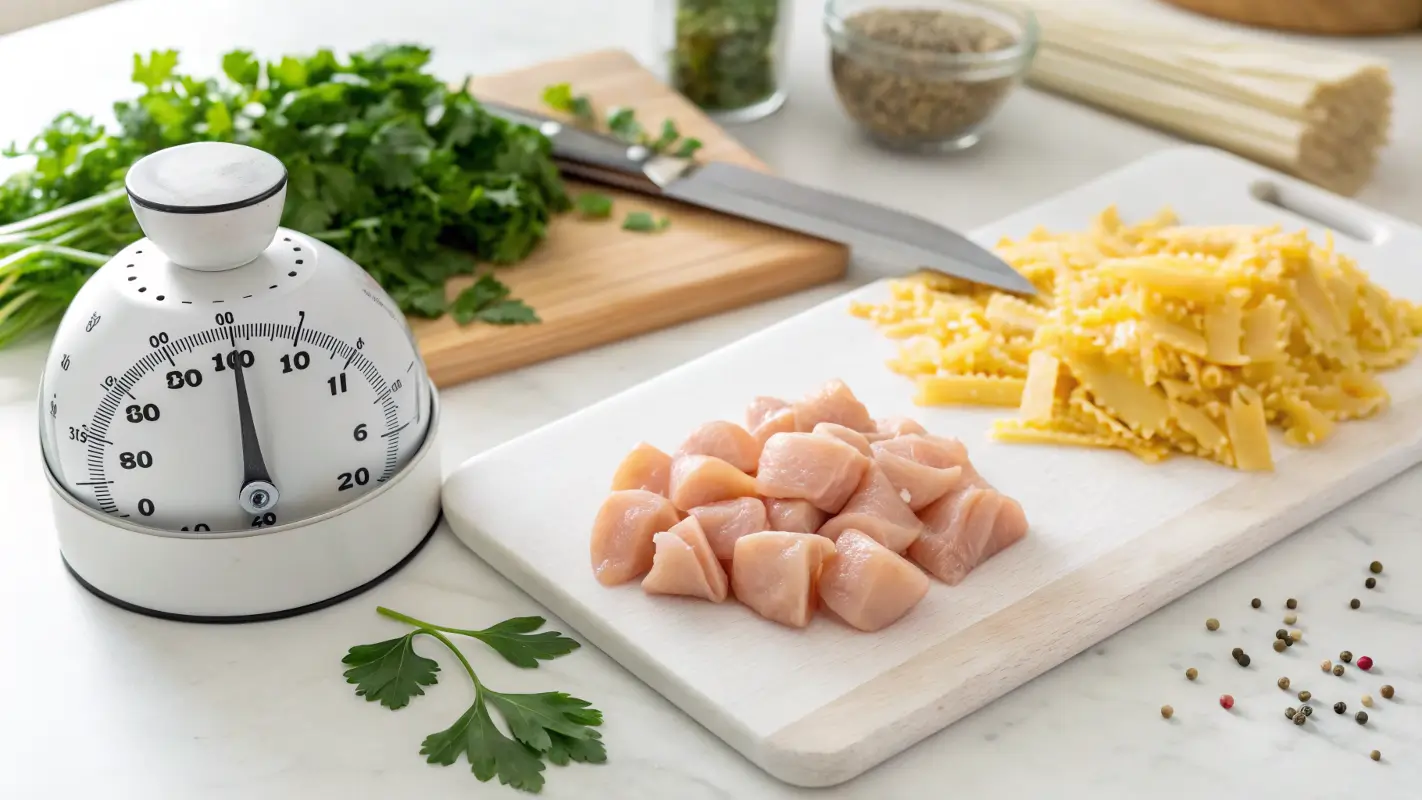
(1112, 538)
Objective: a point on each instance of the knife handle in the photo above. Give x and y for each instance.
(598, 158)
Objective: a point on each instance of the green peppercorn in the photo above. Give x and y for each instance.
(1375, 567)
(1279, 646)
(1338, 670)
(1386, 691)
(1191, 673)
(1299, 719)
(1375, 755)
(1284, 683)
(1243, 660)
(1212, 624)
(1307, 711)
(1281, 634)
(1355, 603)
(1236, 653)
(1291, 603)
(1167, 712)
(1290, 712)
(1346, 656)
(1362, 717)
(1339, 707)
(1305, 695)
(1255, 603)
(1370, 583)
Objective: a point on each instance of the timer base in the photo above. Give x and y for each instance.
(263, 617)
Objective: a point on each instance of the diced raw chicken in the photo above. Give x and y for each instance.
(729, 520)
(1010, 528)
(933, 451)
(890, 427)
(777, 574)
(877, 510)
(821, 469)
(849, 436)
(762, 409)
(684, 564)
(724, 440)
(782, 421)
(796, 516)
(622, 534)
(957, 529)
(702, 480)
(867, 585)
(917, 483)
(645, 467)
(833, 402)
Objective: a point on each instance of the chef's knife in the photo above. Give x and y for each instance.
(873, 231)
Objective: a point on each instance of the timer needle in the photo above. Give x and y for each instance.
(258, 493)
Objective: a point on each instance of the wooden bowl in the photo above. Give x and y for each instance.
(1326, 17)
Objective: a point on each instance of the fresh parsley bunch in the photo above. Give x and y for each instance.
(386, 163)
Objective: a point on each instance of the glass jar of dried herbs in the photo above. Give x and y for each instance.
(927, 74)
(726, 56)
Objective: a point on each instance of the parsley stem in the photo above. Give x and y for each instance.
(478, 687)
(396, 615)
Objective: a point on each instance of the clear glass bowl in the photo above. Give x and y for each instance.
(927, 75)
(726, 56)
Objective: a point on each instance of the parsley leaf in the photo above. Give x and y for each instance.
(531, 717)
(688, 148)
(623, 124)
(487, 300)
(515, 640)
(560, 97)
(488, 750)
(593, 205)
(668, 137)
(644, 222)
(390, 672)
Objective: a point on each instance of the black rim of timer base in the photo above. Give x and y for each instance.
(265, 616)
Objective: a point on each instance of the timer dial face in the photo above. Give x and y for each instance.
(141, 408)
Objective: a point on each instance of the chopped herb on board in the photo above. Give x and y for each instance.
(487, 300)
(593, 205)
(560, 97)
(622, 123)
(644, 222)
(548, 726)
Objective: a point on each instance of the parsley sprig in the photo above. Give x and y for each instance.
(621, 122)
(548, 726)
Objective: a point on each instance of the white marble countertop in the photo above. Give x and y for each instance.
(103, 703)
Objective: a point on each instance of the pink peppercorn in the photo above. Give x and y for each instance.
(1365, 663)
(1226, 702)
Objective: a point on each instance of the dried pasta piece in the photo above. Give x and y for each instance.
(1141, 407)
(1039, 392)
(1307, 425)
(1248, 432)
(1199, 425)
(1263, 332)
(1224, 330)
(983, 390)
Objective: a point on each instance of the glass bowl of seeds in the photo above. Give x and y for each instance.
(927, 75)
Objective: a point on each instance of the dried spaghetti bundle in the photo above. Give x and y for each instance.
(1157, 338)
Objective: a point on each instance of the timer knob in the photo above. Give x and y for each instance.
(209, 206)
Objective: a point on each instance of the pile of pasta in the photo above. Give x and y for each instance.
(1158, 338)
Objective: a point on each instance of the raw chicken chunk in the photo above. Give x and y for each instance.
(832, 402)
(777, 574)
(867, 585)
(1009, 528)
(724, 440)
(782, 421)
(795, 516)
(890, 427)
(917, 483)
(729, 520)
(762, 409)
(702, 480)
(821, 469)
(849, 436)
(957, 529)
(645, 467)
(622, 534)
(877, 510)
(684, 564)
(933, 451)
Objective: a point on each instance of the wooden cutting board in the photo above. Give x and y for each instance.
(592, 282)
(1325, 17)
(1111, 539)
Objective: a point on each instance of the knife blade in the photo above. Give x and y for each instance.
(870, 230)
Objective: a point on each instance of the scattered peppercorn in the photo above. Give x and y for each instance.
(1226, 701)
(1305, 695)
(1167, 712)
(1339, 707)
(1236, 653)
(1283, 683)
(1281, 634)
(1279, 646)
(1295, 635)
(1361, 717)
(1300, 719)
(1368, 700)
(1291, 603)
(1325, 665)
(1355, 604)
(1338, 670)
(1387, 691)
(1375, 755)
(1365, 663)
(1290, 712)
(1307, 711)
(1255, 603)
(1290, 619)
(1289, 642)
(1346, 656)
(1212, 624)
(1243, 660)
(1375, 567)
(1192, 673)
(1370, 582)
